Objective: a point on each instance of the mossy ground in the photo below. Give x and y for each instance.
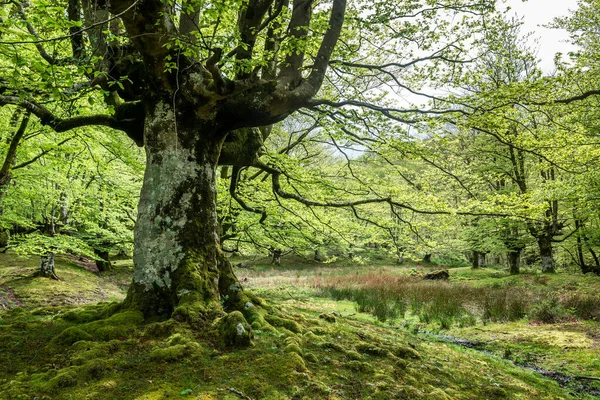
(77, 285)
(321, 349)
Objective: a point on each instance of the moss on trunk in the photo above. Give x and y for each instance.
(179, 270)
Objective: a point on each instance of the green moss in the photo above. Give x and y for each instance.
(310, 337)
(293, 348)
(256, 325)
(297, 362)
(81, 316)
(438, 394)
(178, 338)
(359, 366)
(72, 335)
(67, 377)
(288, 324)
(292, 340)
(234, 330)
(285, 332)
(311, 358)
(96, 369)
(405, 352)
(334, 346)
(130, 317)
(353, 355)
(370, 349)
(495, 392)
(161, 329)
(327, 317)
(319, 330)
(106, 333)
(171, 353)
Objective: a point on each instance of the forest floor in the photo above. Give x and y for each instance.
(342, 331)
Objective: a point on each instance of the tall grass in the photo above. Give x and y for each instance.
(449, 303)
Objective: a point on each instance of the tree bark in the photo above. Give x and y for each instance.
(276, 257)
(545, 246)
(318, 256)
(103, 265)
(400, 254)
(514, 258)
(477, 259)
(176, 233)
(47, 266)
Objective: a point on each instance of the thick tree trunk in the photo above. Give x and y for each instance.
(427, 258)
(545, 246)
(477, 259)
(176, 246)
(47, 266)
(514, 258)
(179, 269)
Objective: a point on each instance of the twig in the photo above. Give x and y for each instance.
(591, 378)
(239, 394)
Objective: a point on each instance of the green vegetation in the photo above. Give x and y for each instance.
(484, 295)
(320, 348)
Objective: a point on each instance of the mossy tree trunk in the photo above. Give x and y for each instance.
(47, 266)
(276, 257)
(103, 264)
(176, 246)
(477, 259)
(545, 246)
(514, 258)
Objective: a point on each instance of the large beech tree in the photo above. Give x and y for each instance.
(198, 84)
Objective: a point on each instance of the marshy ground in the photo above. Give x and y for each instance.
(338, 331)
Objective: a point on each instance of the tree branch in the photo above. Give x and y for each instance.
(235, 176)
(61, 125)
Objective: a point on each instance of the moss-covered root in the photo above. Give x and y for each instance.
(237, 299)
(234, 330)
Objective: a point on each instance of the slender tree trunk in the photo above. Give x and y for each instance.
(276, 257)
(580, 258)
(481, 259)
(400, 254)
(596, 268)
(318, 256)
(514, 258)
(545, 246)
(47, 266)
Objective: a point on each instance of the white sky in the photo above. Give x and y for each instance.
(540, 12)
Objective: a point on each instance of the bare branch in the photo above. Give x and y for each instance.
(59, 124)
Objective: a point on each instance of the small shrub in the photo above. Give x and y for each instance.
(504, 305)
(549, 311)
(584, 306)
(541, 279)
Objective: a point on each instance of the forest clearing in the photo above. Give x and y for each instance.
(299, 199)
(325, 346)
